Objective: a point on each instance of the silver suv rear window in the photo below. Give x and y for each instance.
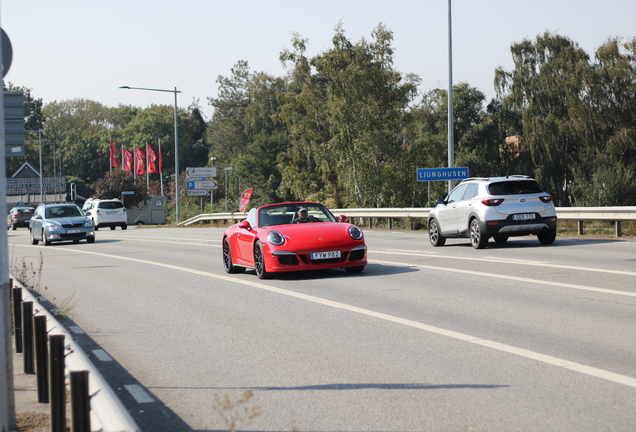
(109, 205)
(515, 187)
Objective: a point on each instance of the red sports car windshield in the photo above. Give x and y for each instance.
(286, 214)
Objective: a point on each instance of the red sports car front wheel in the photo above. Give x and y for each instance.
(259, 261)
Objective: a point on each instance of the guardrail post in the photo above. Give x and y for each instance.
(80, 402)
(58, 391)
(618, 228)
(580, 226)
(390, 223)
(41, 358)
(17, 318)
(27, 337)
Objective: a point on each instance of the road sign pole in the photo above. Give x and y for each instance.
(7, 397)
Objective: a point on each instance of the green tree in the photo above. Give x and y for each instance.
(80, 126)
(348, 117)
(226, 131)
(544, 88)
(117, 181)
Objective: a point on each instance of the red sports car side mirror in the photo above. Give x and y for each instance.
(245, 225)
(343, 218)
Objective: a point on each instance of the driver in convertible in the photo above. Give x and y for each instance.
(303, 216)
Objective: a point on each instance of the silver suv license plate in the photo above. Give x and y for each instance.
(524, 216)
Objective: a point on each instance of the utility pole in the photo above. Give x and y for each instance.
(7, 391)
(451, 138)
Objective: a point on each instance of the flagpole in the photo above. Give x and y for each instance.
(134, 165)
(147, 171)
(160, 168)
(110, 157)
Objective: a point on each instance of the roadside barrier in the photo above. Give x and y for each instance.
(94, 405)
(579, 214)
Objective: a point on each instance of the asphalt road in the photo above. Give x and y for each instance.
(515, 337)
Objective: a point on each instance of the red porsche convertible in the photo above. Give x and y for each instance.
(292, 237)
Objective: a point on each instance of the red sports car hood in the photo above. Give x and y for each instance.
(319, 232)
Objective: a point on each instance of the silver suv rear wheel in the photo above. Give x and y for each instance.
(477, 238)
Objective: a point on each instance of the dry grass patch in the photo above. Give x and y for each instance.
(33, 422)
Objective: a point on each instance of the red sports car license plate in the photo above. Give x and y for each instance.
(324, 255)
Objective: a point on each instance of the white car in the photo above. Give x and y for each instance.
(497, 207)
(106, 213)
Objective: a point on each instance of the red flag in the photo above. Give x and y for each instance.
(160, 160)
(113, 152)
(139, 162)
(128, 160)
(152, 157)
(245, 199)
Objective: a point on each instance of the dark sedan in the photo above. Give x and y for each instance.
(19, 217)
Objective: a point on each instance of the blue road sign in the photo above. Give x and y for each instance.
(441, 174)
(190, 185)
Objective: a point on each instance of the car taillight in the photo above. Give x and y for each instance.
(546, 198)
(493, 202)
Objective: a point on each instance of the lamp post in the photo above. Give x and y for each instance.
(451, 138)
(39, 132)
(176, 143)
(226, 189)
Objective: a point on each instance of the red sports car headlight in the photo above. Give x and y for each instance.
(276, 238)
(355, 232)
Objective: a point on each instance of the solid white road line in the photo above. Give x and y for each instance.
(555, 361)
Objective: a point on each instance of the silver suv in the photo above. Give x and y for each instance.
(497, 207)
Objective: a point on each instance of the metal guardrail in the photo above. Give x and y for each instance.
(614, 214)
(107, 412)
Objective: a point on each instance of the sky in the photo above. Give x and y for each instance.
(68, 49)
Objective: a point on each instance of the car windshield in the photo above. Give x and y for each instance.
(60, 212)
(515, 187)
(110, 205)
(294, 213)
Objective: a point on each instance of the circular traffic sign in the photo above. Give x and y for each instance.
(7, 53)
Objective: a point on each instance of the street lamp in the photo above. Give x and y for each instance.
(176, 142)
(226, 170)
(451, 138)
(39, 132)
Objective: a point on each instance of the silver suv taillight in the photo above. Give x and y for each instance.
(493, 202)
(546, 198)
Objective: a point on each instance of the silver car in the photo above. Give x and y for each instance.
(497, 207)
(60, 222)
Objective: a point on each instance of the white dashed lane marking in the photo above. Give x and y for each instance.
(138, 393)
